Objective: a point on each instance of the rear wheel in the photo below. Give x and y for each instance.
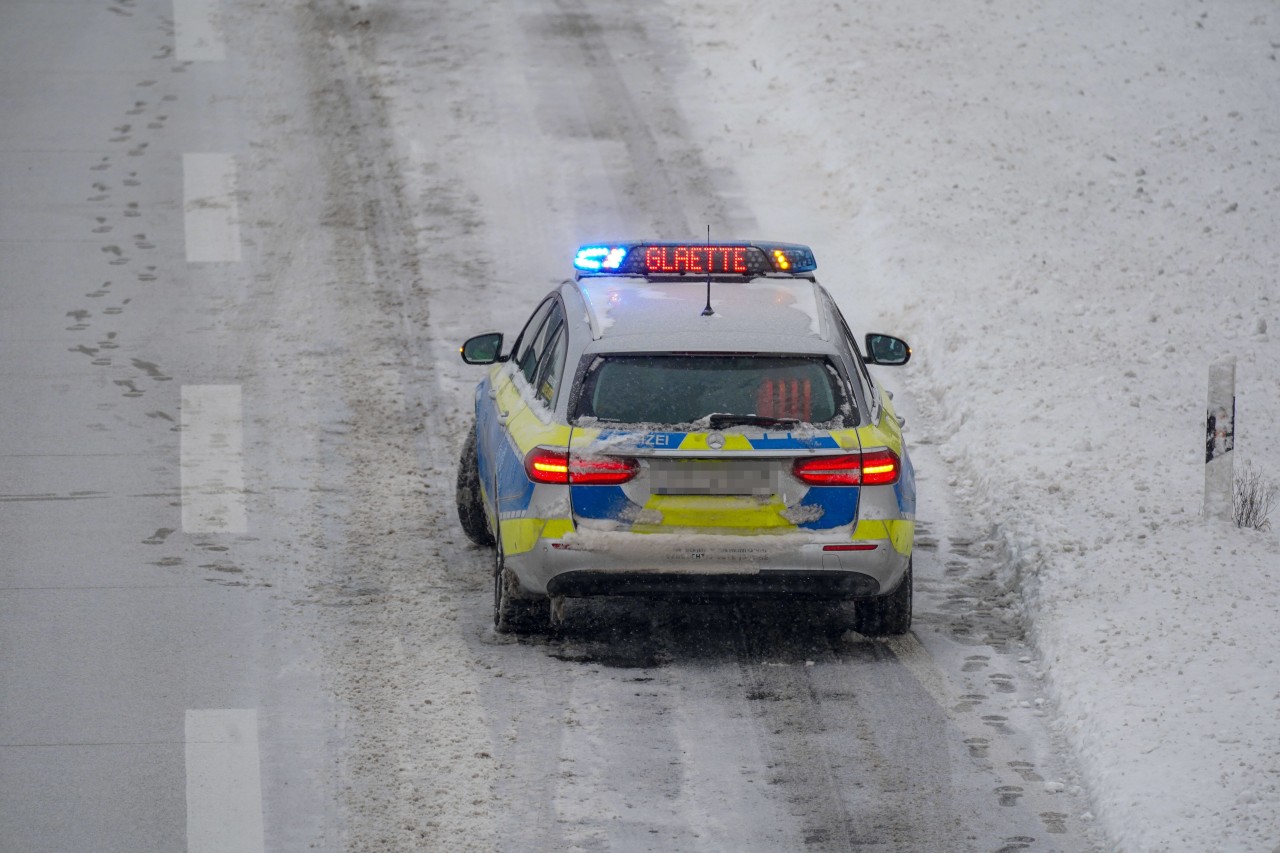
(885, 615)
(470, 504)
(513, 611)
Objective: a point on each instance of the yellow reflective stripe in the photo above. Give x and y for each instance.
(846, 438)
(732, 441)
(520, 535)
(873, 529)
(874, 436)
(528, 431)
(557, 528)
(705, 511)
(900, 533)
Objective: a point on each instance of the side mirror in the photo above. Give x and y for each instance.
(887, 350)
(482, 349)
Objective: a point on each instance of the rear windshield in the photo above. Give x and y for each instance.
(682, 389)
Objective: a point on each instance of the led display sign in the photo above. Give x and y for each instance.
(726, 260)
(706, 259)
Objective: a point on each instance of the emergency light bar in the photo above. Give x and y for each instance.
(738, 259)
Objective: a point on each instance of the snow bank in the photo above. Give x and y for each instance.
(1070, 210)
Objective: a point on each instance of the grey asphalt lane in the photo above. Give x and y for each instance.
(116, 623)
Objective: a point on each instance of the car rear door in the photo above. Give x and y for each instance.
(499, 401)
(523, 408)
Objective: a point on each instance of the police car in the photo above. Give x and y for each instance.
(694, 421)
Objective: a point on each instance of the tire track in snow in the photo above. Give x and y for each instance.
(416, 757)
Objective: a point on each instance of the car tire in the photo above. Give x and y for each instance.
(470, 503)
(885, 615)
(513, 611)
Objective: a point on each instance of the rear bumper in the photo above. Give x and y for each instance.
(766, 584)
(707, 567)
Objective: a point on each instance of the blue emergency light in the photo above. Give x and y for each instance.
(748, 259)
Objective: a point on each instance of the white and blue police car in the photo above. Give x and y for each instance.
(694, 421)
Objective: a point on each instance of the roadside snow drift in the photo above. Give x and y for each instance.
(1070, 210)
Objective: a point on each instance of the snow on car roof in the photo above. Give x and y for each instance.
(785, 310)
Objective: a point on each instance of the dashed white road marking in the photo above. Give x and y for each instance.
(196, 35)
(224, 782)
(211, 459)
(211, 215)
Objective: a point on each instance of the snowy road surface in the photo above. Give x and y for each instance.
(241, 243)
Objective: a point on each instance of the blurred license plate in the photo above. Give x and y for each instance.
(703, 477)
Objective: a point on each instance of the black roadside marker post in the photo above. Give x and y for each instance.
(1220, 440)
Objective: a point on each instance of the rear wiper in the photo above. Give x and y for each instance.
(720, 420)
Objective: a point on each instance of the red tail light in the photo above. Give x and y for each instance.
(602, 470)
(843, 470)
(874, 468)
(553, 465)
(544, 465)
(880, 467)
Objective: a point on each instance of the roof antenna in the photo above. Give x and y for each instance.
(707, 312)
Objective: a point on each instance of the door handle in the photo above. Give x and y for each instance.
(493, 393)
(503, 417)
